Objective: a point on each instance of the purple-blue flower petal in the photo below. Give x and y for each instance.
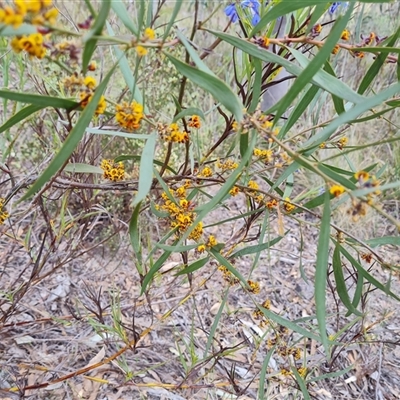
(230, 11)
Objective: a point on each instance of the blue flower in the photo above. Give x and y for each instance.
(230, 11)
(253, 5)
(335, 5)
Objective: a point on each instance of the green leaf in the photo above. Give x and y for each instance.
(348, 116)
(20, 116)
(366, 275)
(188, 112)
(24, 29)
(172, 17)
(39, 100)
(321, 270)
(153, 270)
(217, 88)
(288, 324)
(215, 324)
(257, 248)
(177, 249)
(377, 64)
(301, 383)
(193, 54)
(96, 30)
(194, 266)
(223, 261)
(146, 169)
(341, 283)
(263, 373)
(126, 71)
(96, 131)
(71, 141)
(314, 66)
(134, 235)
(123, 14)
(298, 110)
(337, 101)
(82, 168)
(395, 240)
(321, 79)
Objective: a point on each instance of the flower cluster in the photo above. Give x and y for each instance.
(86, 94)
(265, 156)
(32, 44)
(172, 133)
(211, 242)
(129, 115)
(3, 213)
(180, 211)
(228, 276)
(227, 165)
(253, 191)
(35, 12)
(288, 206)
(113, 171)
(252, 5)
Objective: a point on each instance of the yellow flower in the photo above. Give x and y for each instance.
(254, 287)
(194, 121)
(129, 115)
(361, 175)
(265, 42)
(201, 248)
(141, 51)
(3, 213)
(112, 171)
(90, 82)
(234, 191)
(342, 142)
(336, 190)
(86, 97)
(206, 172)
(336, 49)
(288, 206)
(253, 185)
(345, 35)
(149, 34)
(211, 241)
(51, 15)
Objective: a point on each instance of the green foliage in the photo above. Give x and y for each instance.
(179, 131)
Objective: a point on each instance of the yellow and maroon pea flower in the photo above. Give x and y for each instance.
(265, 156)
(316, 30)
(212, 241)
(227, 165)
(336, 190)
(271, 204)
(129, 116)
(254, 287)
(201, 248)
(112, 171)
(336, 49)
(90, 82)
(361, 176)
(86, 96)
(12, 17)
(3, 212)
(288, 206)
(342, 142)
(194, 122)
(367, 257)
(32, 44)
(345, 35)
(234, 191)
(197, 232)
(206, 172)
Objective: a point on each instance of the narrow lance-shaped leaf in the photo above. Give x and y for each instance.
(98, 26)
(315, 65)
(72, 139)
(321, 78)
(321, 273)
(146, 169)
(217, 88)
(341, 283)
